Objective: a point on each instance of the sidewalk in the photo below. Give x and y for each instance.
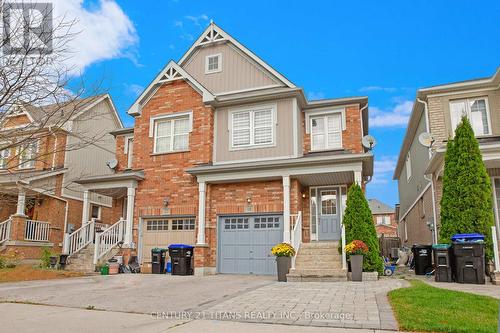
(29, 318)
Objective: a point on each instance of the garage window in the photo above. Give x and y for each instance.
(183, 224)
(157, 225)
(266, 222)
(236, 223)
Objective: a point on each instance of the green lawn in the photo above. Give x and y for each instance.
(423, 308)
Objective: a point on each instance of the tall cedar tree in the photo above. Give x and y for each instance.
(466, 204)
(358, 224)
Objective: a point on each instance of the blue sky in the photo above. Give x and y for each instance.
(383, 49)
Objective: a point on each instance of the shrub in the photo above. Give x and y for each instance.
(466, 204)
(283, 250)
(45, 257)
(10, 260)
(359, 225)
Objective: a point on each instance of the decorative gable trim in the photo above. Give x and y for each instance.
(171, 72)
(214, 34)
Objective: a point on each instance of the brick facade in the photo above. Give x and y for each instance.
(386, 230)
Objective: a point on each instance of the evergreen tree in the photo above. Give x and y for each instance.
(358, 224)
(466, 204)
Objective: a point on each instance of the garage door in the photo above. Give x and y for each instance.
(161, 232)
(245, 243)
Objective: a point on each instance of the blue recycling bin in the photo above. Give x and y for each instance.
(467, 238)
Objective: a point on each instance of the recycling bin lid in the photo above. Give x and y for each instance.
(158, 249)
(441, 246)
(180, 246)
(467, 237)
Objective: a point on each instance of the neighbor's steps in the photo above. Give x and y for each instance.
(83, 261)
(318, 261)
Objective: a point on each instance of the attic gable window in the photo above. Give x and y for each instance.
(213, 63)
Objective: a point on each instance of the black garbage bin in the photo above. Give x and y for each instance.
(158, 260)
(442, 263)
(422, 254)
(469, 261)
(181, 256)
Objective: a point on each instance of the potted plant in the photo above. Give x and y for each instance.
(356, 250)
(284, 253)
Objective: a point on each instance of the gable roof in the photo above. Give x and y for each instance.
(58, 114)
(378, 207)
(213, 34)
(171, 72)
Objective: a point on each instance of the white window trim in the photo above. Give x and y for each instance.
(171, 116)
(126, 143)
(31, 163)
(408, 166)
(467, 105)
(6, 158)
(219, 62)
(324, 116)
(129, 142)
(310, 114)
(253, 109)
(99, 212)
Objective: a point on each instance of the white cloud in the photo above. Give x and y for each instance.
(103, 32)
(396, 117)
(383, 169)
(377, 88)
(197, 20)
(133, 89)
(313, 95)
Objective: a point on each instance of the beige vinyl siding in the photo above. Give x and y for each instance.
(409, 190)
(439, 112)
(283, 135)
(238, 72)
(416, 222)
(83, 160)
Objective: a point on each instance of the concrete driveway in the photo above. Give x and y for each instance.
(137, 293)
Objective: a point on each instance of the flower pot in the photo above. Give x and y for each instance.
(284, 265)
(356, 267)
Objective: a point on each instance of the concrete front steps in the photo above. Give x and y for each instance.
(318, 262)
(83, 261)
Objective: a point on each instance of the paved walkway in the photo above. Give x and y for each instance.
(480, 289)
(29, 318)
(334, 304)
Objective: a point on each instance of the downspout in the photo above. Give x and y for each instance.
(431, 180)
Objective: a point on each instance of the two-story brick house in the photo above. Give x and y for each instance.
(46, 149)
(229, 155)
(383, 218)
(437, 110)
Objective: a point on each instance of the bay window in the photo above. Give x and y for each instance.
(252, 127)
(476, 110)
(326, 131)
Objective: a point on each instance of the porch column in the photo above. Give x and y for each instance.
(86, 207)
(21, 202)
(201, 213)
(357, 177)
(130, 215)
(286, 209)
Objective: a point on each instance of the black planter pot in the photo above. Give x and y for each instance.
(284, 265)
(356, 267)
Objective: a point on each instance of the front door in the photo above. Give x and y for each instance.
(328, 214)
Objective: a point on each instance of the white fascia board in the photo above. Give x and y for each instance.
(135, 109)
(253, 56)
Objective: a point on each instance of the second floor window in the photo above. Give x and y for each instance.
(171, 135)
(4, 158)
(383, 220)
(476, 110)
(27, 155)
(326, 132)
(252, 128)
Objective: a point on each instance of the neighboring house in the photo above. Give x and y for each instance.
(226, 154)
(419, 171)
(51, 147)
(383, 218)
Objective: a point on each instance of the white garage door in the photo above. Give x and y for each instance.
(245, 243)
(161, 232)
